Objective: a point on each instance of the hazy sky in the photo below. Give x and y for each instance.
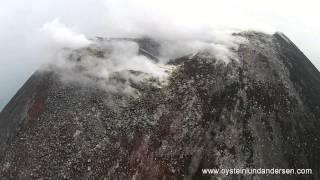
(21, 22)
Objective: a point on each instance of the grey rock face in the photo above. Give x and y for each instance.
(260, 112)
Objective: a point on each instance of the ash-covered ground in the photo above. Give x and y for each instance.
(261, 110)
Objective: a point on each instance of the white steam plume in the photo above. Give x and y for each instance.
(182, 26)
(61, 36)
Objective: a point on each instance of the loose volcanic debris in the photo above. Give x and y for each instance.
(259, 112)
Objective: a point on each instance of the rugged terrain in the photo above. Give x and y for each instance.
(262, 111)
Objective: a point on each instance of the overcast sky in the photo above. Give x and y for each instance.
(21, 22)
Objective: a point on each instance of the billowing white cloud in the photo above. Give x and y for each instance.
(59, 35)
(177, 23)
(60, 48)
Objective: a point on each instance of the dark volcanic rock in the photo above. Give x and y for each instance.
(260, 112)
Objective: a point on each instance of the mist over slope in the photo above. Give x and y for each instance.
(21, 24)
(144, 89)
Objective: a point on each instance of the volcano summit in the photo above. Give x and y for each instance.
(98, 117)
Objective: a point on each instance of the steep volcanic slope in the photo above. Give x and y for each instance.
(259, 112)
